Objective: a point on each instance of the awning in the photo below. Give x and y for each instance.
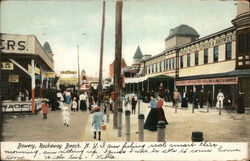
(161, 77)
(135, 80)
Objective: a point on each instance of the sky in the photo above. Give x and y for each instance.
(68, 23)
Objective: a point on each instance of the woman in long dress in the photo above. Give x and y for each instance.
(184, 102)
(151, 121)
(160, 111)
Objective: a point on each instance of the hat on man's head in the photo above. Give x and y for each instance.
(97, 108)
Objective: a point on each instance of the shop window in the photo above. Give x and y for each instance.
(181, 61)
(216, 53)
(205, 56)
(228, 50)
(188, 60)
(196, 58)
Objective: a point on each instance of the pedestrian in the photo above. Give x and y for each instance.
(241, 107)
(201, 98)
(184, 100)
(97, 121)
(74, 104)
(68, 97)
(160, 111)
(133, 103)
(151, 121)
(45, 108)
(66, 116)
(209, 99)
(161, 90)
(83, 99)
(220, 99)
(195, 99)
(176, 97)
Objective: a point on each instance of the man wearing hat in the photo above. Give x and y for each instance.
(97, 121)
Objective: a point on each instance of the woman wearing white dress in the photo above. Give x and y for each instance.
(66, 115)
(220, 98)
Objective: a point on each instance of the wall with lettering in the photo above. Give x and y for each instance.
(13, 43)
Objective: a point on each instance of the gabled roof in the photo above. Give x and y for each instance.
(183, 30)
(138, 53)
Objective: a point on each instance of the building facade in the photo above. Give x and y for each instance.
(218, 61)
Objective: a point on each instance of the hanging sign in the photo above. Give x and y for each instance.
(49, 74)
(68, 72)
(14, 78)
(37, 70)
(209, 81)
(7, 66)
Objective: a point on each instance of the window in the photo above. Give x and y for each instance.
(205, 56)
(228, 50)
(181, 61)
(169, 63)
(173, 63)
(152, 68)
(166, 64)
(196, 58)
(149, 69)
(241, 43)
(160, 67)
(188, 60)
(216, 54)
(248, 42)
(156, 67)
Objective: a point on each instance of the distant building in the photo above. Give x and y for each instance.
(111, 68)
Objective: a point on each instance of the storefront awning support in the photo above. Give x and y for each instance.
(33, 84)
(22, 68)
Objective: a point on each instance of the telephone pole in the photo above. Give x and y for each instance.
(117, 64)
(101, 56)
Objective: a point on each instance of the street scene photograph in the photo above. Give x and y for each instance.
(125, 71)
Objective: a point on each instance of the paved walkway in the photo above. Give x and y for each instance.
(28, 127)
(227, 127)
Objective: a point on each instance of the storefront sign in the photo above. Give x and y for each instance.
(209, 43)
(211, 81)
(14, 43)
(49, 74)
(14, 78)
(37, 70)
(68, 72)
(7, 66)
(14, 106)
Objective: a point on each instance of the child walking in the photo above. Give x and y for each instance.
(66, 116)
(74, 104)
(45, 108)
(97, 121)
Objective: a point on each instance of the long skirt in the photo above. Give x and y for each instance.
(161, 115)
(83, 105)
(184, 102)
(68, 100)
(151, 121)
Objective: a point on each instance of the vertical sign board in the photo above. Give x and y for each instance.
(14, 78)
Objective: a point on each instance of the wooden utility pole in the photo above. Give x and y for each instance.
(117, 64)
(101, 56)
